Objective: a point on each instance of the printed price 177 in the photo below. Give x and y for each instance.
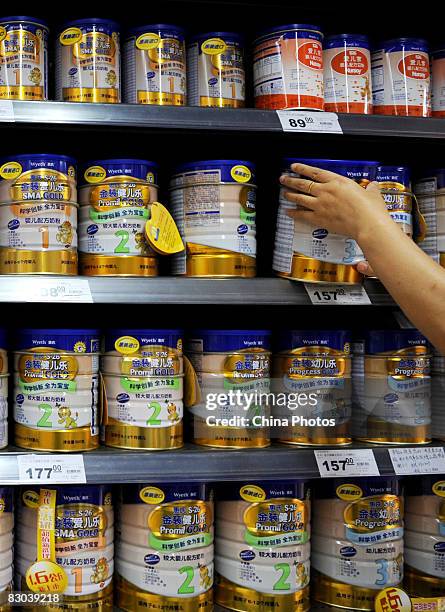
(43, 473)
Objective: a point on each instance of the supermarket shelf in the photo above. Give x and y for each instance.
(208, 119)
(109, 465)
(169, 290)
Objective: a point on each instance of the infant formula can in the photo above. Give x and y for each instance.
(4, 375)
(88, 62)
(143, 375)
(430, 192)
(154, 60)
(164, 558)
(395, 405)
(357, 541)
(215, 70)
(438, 395)
(312, 254)
(38, 215)
(288, 68)
(6, 545)
(395, 185)
(224, 361)
(262, 547)
(115, 197)
(347, 74)
(213, 204)
(438, 82)
(425, 537)
(401, 78)
(56, 389)
(67, 532)
(313, 370)
(23, 59)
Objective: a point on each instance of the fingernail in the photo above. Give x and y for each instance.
(362, 267)
(283, 179)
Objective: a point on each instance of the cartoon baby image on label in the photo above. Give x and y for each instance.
(65, 417)
(101, 571)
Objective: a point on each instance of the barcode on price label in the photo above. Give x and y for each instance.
(330, 294)
(339, 462)
(307, 121)
(411, 461)
(48, 469)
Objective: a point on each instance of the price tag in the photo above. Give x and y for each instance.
(307, 121)
(50, 469)
(411, 461)
(56, 290)
(337, 294)
(6, 110)
(339, 462)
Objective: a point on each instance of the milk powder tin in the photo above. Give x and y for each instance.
(213, 204)
(224, 361)
(88, 62)
(438, 395)
(288, 68)
(395, 404)
(4, 375)
(262, 547)
(438, 82)
(430, 192)
(154, 59)
(312, 254)
(425, 537)
(6, 544)
(215, 70)
(314, 366)
(38, 214)
(357, 541)
(115, 197)
(401, 78)
(143, 375)
(347, 74)
(23, 58)
(56, 389)
(164, 557)
(395, 185)
(69, 529)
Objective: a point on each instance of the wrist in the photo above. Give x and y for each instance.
(373, 228)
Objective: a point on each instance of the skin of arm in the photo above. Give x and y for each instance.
(415, 281)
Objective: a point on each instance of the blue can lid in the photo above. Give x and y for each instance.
(386, 340)
(153, 27)
(120, 161)
(235, 35)
(328, 162)
(44, 156)
(333, 40)
(223, 340)
(145, 332)
(3, 338)
(212, 163)
(88, 21)
(291, 26)
(57, 332)
(286, 340)
(401, 174)
(395, 42)
(17, 18)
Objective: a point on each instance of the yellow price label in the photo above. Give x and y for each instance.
(161, 231)
(392, 599)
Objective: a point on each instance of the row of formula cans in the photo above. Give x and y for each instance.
(262, 545)
(294, 66)
(50, 219)
(236, 388)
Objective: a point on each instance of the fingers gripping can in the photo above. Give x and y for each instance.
(23, 59)
(6, 545)
(394, 404)
(425, 537)
(213, 203)
(143, 376)
(88, 62)
(357, 541)
(164, 557)
(236, 362)
(313, 254)
(67, 533)
(215, 70)
(288, 68)
(313, 369)
(115, 197)
(38, 215)
(56, 389)
(262, 547)
(154, 59)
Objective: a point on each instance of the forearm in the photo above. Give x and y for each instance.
(414, 280)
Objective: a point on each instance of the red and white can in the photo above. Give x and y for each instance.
(347, 74)
(438, 84)
(288, 68)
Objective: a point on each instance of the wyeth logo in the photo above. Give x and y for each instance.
(349, 492)
(152, 495)
(252, 493)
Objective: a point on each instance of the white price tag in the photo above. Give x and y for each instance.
(56, 290)
(343, 462)
(50, 469)
(307, 121)
(6, 110)
(411, 461)
(336, 294)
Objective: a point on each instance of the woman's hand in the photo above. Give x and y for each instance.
(334, 202)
